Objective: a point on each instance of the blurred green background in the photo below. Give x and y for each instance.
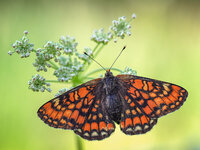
(165, 45)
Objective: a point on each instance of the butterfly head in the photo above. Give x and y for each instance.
(108, 73)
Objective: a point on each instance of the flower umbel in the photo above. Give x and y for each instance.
(37, 83)
(69, 68)
(69, 44)
(130, 71)
(85, 57)
(61, 91)
(121, 27)
(51, 50)
(22, 47)
(99, 36)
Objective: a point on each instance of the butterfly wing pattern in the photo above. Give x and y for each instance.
(78, 110)
(133, 102)
(146, 100)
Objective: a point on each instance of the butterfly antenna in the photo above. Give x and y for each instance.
(94, 60)
(118, 56)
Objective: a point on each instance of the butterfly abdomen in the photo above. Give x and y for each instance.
(113, 106)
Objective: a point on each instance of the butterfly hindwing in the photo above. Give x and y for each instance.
(154, 98)
(98, 125)
(133, 120)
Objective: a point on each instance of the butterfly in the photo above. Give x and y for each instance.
(134, 103)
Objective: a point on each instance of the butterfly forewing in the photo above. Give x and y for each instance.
(154, 98)
(69, 109)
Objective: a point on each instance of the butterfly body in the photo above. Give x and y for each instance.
(133, 102)
(111, 99)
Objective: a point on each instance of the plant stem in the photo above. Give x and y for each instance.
(34, 50)
(95, 48)
(99, 50)
(131, 20)
(95, 54)
(53, 65)
(79, 143)
(98, 70)
(56, 81)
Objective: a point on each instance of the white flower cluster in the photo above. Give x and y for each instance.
(61, 91)
(37, 83)
(121, 27)
(99, 36)
(69, 44)
(69, 68)
(85, 57)
(51, 50)
(130, 71)
(22, 47)
(64, 58)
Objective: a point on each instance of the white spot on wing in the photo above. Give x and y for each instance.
(86, 134)
(104, 133)
(138, 128)
(94, 133)
(146, 127)
(129, 129)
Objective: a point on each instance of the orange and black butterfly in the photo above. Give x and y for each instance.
(133, 102)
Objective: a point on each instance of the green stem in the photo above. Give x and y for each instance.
(99, 50)
(89, 78)
(79, 143)
(34, 50)
(56, 81)
(95, 48)
(131, 20)
(98, 70)
(53, 65)
(95, 55)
